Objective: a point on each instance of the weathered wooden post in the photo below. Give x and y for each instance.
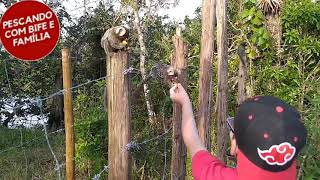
(242, 76)
(114, 43)
(68, 114)
(205, 75)
(179, 152)
(222, 101)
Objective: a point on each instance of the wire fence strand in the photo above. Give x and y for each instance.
(57, 167)
(60, 92)
(132, 146)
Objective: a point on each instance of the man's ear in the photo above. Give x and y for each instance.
(234, 146)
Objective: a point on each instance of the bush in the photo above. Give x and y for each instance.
(90, 130)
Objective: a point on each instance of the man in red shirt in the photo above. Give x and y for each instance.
(266, 139)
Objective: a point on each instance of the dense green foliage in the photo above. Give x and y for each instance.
(290, 72)
(91, 130)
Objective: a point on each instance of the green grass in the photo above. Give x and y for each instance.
(32, 160)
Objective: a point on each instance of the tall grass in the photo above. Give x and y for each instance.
(32, 159)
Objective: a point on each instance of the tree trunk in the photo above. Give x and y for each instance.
(242, 76)
(205, 76)
(222, 94)
(273, 24)
(179, 152)
(251, 85)
(56, 115)
(143, 53)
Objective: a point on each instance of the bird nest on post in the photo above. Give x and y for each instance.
(270, 6)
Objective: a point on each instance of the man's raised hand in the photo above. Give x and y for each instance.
(179, 95)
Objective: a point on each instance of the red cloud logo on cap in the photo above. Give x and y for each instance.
(278, 154)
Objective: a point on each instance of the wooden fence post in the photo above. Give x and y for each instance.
(68, 114)
(118, 103)
(222, 101)
(179, 152)
(242, 76)
(205, 75)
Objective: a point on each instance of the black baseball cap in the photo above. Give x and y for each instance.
(269, 132)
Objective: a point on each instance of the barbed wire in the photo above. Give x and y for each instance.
(97, 176)
(58, 58)
(21, 135)
(60, 92)
(39, 104)
(132, 146)
(29, 142)
(57, 166)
